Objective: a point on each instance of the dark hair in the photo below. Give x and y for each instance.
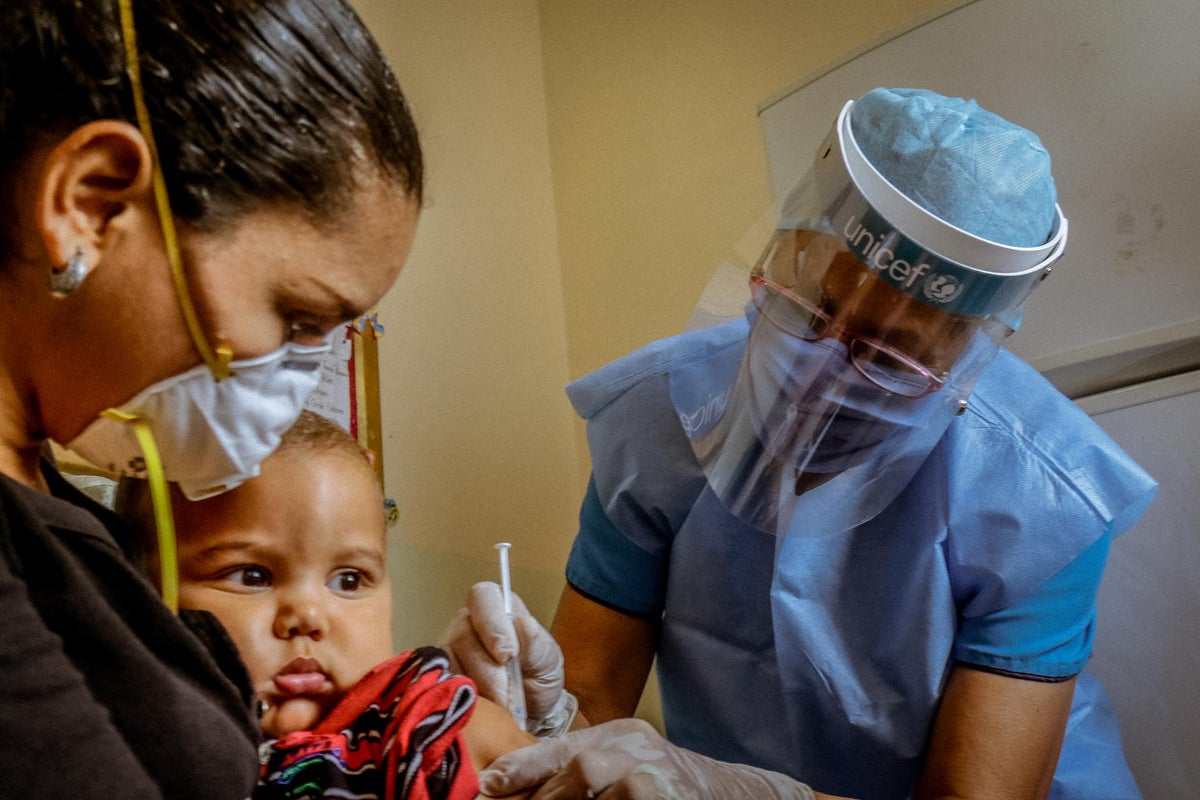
(253, 102)
(311, 433)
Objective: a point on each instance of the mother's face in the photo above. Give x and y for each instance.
(279, 277)
(275, 276)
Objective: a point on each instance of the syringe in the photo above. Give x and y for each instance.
(516, 684)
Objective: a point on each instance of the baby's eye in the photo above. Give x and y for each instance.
(348, 581)
(248, 577)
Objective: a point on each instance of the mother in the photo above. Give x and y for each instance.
(293, 172)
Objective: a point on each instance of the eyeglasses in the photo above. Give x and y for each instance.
(881, 364)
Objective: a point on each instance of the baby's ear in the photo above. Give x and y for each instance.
(99, 173)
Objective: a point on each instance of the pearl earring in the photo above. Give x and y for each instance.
(70, 278)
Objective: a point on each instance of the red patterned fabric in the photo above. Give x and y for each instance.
(396, 735)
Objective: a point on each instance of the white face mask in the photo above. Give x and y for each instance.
(211, 435)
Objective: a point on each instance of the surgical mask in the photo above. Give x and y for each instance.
(212, 435)
(813, 409)
(792, 437)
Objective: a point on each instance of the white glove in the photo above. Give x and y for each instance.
(482, 639)
(626, 759)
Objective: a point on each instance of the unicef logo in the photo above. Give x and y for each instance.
(942, 288)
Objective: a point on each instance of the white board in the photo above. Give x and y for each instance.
(1113, 89)
(1147, 638)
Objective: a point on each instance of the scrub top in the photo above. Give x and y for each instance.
(823, 654)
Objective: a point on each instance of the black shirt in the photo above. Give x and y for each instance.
(103, 692)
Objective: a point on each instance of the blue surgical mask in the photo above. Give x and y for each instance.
(813, 410)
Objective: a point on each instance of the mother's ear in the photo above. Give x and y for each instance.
(99, 171)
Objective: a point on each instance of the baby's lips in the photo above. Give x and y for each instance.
(297, 683)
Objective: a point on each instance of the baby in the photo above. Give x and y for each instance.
(293, 564)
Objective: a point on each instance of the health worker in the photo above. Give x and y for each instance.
(196, 196)
(862, 540)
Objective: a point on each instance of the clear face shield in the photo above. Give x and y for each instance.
(870, 321)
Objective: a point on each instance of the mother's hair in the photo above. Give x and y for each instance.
(253, 103)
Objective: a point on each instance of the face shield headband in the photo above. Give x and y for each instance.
(911, 249)
(862, 345)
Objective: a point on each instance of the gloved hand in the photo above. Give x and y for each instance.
(626, 759)
(482, 639)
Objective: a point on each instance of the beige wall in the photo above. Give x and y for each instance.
(478, 438)
(659, 166)
(589, 165)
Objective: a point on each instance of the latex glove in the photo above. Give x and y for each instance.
(482, 639)
(627, 759)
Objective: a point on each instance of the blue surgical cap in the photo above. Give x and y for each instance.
(966, 165)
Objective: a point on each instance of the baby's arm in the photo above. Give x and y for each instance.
(491, 733)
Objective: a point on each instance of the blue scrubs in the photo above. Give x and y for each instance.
(823, 655)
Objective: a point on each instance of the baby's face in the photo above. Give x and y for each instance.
(293, 565)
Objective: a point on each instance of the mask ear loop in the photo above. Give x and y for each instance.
(218, 360)
(164, 521)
